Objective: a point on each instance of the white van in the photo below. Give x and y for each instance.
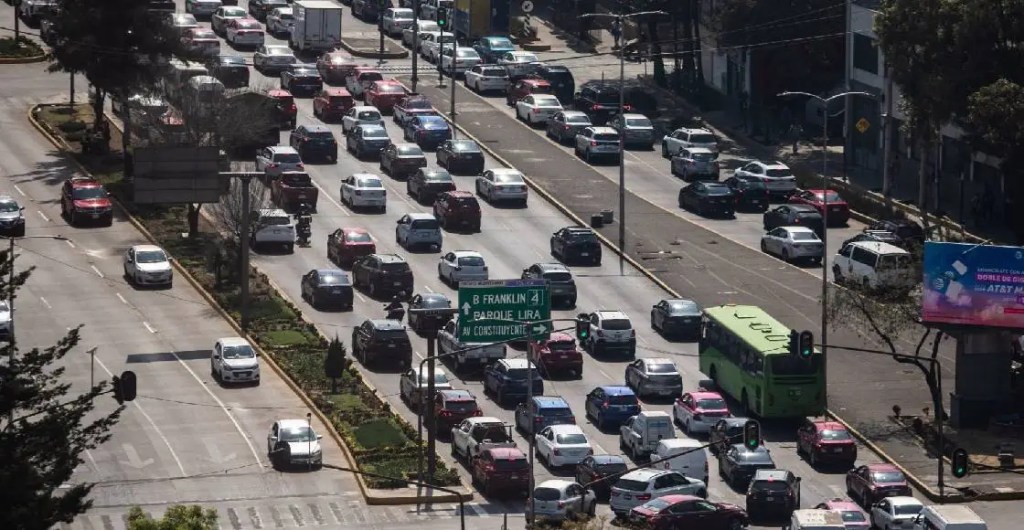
(815, 520)
(874, 264)
(694, 463)
(949, 517)
(641, 433)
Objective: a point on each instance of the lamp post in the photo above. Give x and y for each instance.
(622, 139)
(825, 180)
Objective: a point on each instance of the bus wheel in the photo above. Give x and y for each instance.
(714, 374)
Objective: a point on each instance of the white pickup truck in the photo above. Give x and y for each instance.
(475, 354)
(475, 434)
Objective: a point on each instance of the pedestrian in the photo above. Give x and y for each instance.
(796, 131)
(616, 31)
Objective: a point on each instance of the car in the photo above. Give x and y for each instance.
(826, 442)
(259, 9)
(464, 59)
(400, 160)
(544, 411)
(773, 492)
(695, 163)
(202, 8)
(12, 217)
(230, 70)
(457, 209)
(838, 210)
(871, 483)
(301, 80)
(382, 342)
(635, 129)
(335, 67)
(639, 486)
(576, 244)
(233, 360)
(562, 445)
(273, 58)
(428, 322)
(518, 63)
(419, 229)
(676, 317)
(611, 405)
(331, 104)
(370, 10)
(502, 184)
(853, 516)
(609, 331)
(600, 101)
(738, 464)
(751, 194)
(280, 21)
(561, 500)
(180, 22)
(327, 288)
(244, 32)
(793, 243)
(793, 215)
(600, 472)
(146, 265)
(272, 227)
(396, 19)
(450, 408)
(431, 43)
(6, 320)
(726, 432)
(872, 236)
(557, 355)
(367, 141)
(382, 275)
(361, 115)
(284, 105)
(561, 285)
(418, 28)
(413, 384)
(220, 17)
(535, 109)
(294, 442)
(461, 157)
(686, 511)
(364, 190)
(507, 378)
(657, 376)
(499, 470)
(561, 80)
(426, 184)
(491, 47)
(592, 142)
(277, 159)
(708, 199)
(314, 142)
(411, 106)
(565, 125)
(462, 265)
(525, 87)
(698, 412)
(778, 177)
(361, 78)
(687, 137)
(385, 94)
(345, 245)
(894, 513)
(428, 131)
(85, 199)
(910, 233)
(482, 78)
(200, 42)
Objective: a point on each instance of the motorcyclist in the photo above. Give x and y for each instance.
(304, 223)
(395, 310)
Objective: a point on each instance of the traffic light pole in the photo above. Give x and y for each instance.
(415, 42)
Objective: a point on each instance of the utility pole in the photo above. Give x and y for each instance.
(380, 31)
(244, 246)
(415, 42)
(428, 405)
(533, 426)
(887, 136)
(451, 113)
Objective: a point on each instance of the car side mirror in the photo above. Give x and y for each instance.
(319, 437)
(215, 356)
(130, 259)
(582, 315)
(22, 208)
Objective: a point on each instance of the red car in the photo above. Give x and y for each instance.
(826, 442)
(385, 95)
(293, 188)
(332, 103)
(344, 245)
(84, 199)
(853, 516)
(501, 469)
(872, 482)
(526, 86)
(457, 209)
(558, 354)
(451, 407)
(838, 210)
(360, 80)
(686, 511)
(286, 109)
(335, 67)
(413, 105)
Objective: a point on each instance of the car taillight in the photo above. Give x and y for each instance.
(565, 127)
(272, 166)
(615, 493)
(627, 107)
(632, 333)
(595, 107)
(600, 333)
(445, 413)
(478, 413)
(300, 166)
(359, 192)
(561, 504)
(590, 452)
(538, 419)
(644, 498)
(293, 108)
(556, 452)
(605, 405)
(593, 142)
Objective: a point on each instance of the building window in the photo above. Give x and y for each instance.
(865, 54)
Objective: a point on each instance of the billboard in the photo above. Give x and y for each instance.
(973, 285)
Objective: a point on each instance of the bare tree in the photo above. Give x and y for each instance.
(229, 213)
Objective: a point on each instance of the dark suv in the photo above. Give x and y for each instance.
(230, 70)
(506, 378)
(559, 278)
(312, 141)
(382, 342)
(457, 209)
(382, 274)
(576, 243)
(563, 86)
(909, 232)
(773, 492)
(600, 102)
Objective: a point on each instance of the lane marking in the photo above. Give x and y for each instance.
(121, 298)
(70, 244)
(150, 328)
(478, 510)
(97, 271)
(605, 374)
(420, 355)
(16, 188)
(45, 303)
(359, 296)
(600, 450)
(427, 287)
(43, 215)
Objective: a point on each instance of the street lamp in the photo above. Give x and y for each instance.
(622, 138)
(825, 179)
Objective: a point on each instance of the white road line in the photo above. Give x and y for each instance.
(121, 298)
(16, 188)
(478, 510)
(427, 287)
(359, 296)
(605, 374)
(45, 303)
(98, 273)
(600, 450)
(326, 194)
(149, 419)
(150, 328)
(43, 215)
(420, 355)
(70, 244)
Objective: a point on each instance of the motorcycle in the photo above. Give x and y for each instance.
(396, 313)
(304, 225)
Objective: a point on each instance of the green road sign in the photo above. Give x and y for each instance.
(489, 310)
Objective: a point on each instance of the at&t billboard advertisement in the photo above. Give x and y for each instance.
(974, 285)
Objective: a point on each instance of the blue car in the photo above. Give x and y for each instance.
(611, 405)
(546, 411)
(490, 48)
(427, 131)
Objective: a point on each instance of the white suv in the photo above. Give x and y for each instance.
(610, 331)
(277, 159)
(686, 138)
(777, 177)
(272, 227)
(637, 487)
(234, 361)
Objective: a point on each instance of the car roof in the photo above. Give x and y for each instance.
(798, 229)
(467, 253)
(293, 424)
(579, 229)
(536, 81)
(85, 182)
(389, 82)
(422, 371)
(882, 467)
(692, 130)
(609, 459)
(615, 390)
(382, 324)
(363, 108)
(643, 475)
(318, 128)
(772, 474)
(648, 361)
(337, 91)
(331, 272)
(275, 212)
(506, 453)
(705, 395)
(420, 216)
(456, 395)
(558, 336)
(516, 363)
(365, 176)
(233, 341)
(610, 314)
(773, 165)
(879, 247)
(554, 402)
(843, 505)
(829, 425)
(678, 497)
(551, 267)
(634, 115)
(136, 248)
(282, 149)
(558, 484)
(603, 130)
(566, 429)
(389, 258)
(904, 500)
(461, 194)
(435, 296)
(574, 113)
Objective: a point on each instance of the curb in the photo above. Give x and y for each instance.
(532, 47)
(374, 54)
(23, 60)
(370, 499)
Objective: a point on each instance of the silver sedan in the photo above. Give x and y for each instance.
(792, 243)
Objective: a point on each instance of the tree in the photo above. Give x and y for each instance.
(177, 517)
(43, 444)
(229, 213)
(996, 118)
(335, 363)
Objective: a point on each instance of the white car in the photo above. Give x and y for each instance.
(280, 21)
(637, 487)
(5, 320)
(895, 513)
(413, 384)
(361, 115)
(431, 43)
(273, 57)
(536, 109)
(465, 58)
(273, 227)
(597, 141)
(685, 138)
(364, 190)
(462, 265)
(148, 265)
(792, 243)
(502, 185)
(182, 22)
(776, 176)
(396, 19)
(277, 159)
(245, 32)
(518, 64)
(562, 445)
(409, 33)
(202, 8)
(233, 360)
(220, 17)
(561, 500)
(486, 77)
(487, 428)
(294, 442)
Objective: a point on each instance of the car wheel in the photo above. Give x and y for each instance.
(735, 524)
(664, 150)
(373, 290)
(813, 459)
(764, 247)
(785, 255)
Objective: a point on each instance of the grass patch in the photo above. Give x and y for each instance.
(346, 403)
(285, 338)
(379, 433)
(19, 48)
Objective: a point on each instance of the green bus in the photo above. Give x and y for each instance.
(746, 353)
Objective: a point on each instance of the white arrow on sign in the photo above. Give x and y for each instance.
(465, 309)
(527, 6)
(539, 328)
(133, 457)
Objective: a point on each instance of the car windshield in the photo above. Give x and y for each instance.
(712, 404)
(558, 277)
(89, 193)
(779, 173)
(471, 261)
(395, 267)
(435, 302)
(287, 158)
(9, 206)
(358, 237)
(622, 400)
(555, 412)
(150, 256)
(887, 476)
(203, 34)
(369, 115)
(571, 439)
(788, 365)
(426, 224)
(439, 378)
(493, 71)
(369, 77)
(832, 434)
(298, 434)
(545, 101)
(547, 494)
(499, 44)
(241, 351)
(631, 485)
(682, 308)
(375, 132)
(462, 405)
(702, 157)
(369, 183)
(907, 509)
(463, 146)
(638, 122)
(511, 464)
(434, 125)
(661, 368)
(508, 178)
(438, 176)
(299, 180)
(755, 457)
(606, 137)
(279, 220)
(390, 89)
(410, 150)
(333, 279)
(608, 97)
(717, 190)
(577, 120)
(278, 50)
(804, 236)
(616, 324)
(417, 103)
(856, 516)
(562, 345)
(832, 197)
(702, 138)
(321, 135)
(769, 485)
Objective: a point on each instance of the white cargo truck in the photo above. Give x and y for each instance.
(317, 26)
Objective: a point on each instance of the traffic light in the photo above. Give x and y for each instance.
(960, 463)
(442, 17)
(124, 387)
(582, 329)
(751, 435)
(806, 349)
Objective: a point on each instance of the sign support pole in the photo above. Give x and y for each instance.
(244, 244)
(428, 404)
(533, 425)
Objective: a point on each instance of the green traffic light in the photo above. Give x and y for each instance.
(806, 344)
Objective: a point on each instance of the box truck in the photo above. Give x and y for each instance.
(317, 26)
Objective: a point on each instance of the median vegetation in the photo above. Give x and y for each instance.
(22, 47)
